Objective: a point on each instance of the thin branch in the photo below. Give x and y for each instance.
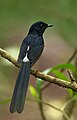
(70, 59)
(45, 86)
(71, 76)
(68, 108)
(73, 56)
(56, 108)
(42, 102)
(41, 106)
(65, 117)
(40, 75)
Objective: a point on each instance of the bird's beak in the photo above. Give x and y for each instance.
(50, 25)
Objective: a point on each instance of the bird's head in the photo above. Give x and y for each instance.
(39, 27)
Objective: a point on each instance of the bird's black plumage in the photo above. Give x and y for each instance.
(30, 51)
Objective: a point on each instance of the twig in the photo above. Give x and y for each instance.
(68, 108)
(73, 56)
(40, 75)
(40, 101)
(41, 106)
(70, 59)
(45, 86)
(71, 76)
(56, 108)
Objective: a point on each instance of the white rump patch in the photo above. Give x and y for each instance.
(28, 48)
(25, 59)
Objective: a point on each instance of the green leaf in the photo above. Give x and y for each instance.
(33, 92)
(70, 92)
(47, 71)
(5, 101)
(75, 95)
(65, 66)
(60, 75)
(39, 82)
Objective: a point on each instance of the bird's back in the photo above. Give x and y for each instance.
(36, 44)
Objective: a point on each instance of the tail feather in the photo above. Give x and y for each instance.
(19, 95)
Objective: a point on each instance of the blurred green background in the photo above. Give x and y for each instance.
(16, 16)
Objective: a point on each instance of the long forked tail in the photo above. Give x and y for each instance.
(20, 90)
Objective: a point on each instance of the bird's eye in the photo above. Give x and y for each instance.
(41, 25)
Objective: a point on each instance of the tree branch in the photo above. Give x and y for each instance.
(40, 75)
(68, 108)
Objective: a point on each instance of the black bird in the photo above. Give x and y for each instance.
(30, 51)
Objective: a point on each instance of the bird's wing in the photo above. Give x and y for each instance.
(35, 49)
(35, 45)
(23, 48)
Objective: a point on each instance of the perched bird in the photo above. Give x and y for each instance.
(30, 51)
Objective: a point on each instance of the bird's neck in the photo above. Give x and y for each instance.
(35, 33)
